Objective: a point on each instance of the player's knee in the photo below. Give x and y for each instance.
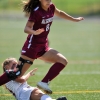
(36, 94)
(64, 61)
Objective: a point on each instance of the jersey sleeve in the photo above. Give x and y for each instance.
(52, 7)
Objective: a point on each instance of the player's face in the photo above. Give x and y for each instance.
(45, 4)
(11, 66)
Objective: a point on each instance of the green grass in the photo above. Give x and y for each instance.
(78, 42)
(85, 7)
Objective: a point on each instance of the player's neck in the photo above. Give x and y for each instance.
(44, 8)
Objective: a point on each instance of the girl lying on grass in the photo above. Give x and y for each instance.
(20, 88)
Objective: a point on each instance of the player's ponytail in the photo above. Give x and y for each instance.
(30, 5)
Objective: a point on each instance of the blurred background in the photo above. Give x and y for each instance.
(78, 42)
(77, 7)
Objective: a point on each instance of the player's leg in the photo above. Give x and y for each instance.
(53, 56)
(25, 63)
(59, 62)
(39, 95)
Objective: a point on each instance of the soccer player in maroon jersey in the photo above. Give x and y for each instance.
(41, 13)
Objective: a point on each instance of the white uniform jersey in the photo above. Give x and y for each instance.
(13, 86)
(22, 91)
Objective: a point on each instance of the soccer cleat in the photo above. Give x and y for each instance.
(44, 87)
(62, 98)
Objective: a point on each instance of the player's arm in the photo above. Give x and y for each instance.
(29, 29)
(66, 16)
(24, 78)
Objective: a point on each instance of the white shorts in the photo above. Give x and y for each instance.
(25, 93)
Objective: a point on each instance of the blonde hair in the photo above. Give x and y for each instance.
(7, 61)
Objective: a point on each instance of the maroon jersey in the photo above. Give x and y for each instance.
(36, 45)
(42, 19)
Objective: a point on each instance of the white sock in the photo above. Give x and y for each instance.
(46, 97)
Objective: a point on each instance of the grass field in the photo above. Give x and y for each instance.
(79, 42)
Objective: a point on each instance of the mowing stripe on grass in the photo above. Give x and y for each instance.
(80, 73)
(6, 95)
(75, 73)
(85, 62)
(66, 92)
(77, 62)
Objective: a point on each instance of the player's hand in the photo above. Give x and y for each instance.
(32, 72)
(39, 31)
(79, 19)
